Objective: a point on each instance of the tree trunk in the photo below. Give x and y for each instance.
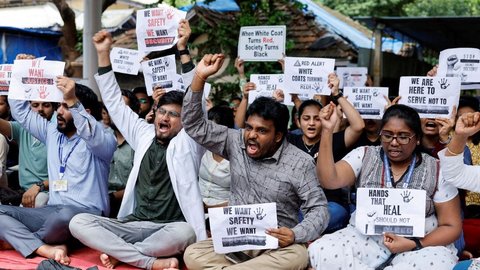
(69, 40)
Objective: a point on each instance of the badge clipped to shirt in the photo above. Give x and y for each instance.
(60, 185)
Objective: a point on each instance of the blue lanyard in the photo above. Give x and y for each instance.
(388, 180)
(63, 162)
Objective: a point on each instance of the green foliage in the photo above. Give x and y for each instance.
(79, 45)
(443, 8)
(223, 37)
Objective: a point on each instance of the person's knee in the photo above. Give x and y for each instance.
(190, 257)
(187, 233)
(298, 257)
(78, 223)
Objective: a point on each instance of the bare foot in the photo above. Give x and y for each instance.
(108, 262)
(58, 253)
(4, 245)
(165, 264)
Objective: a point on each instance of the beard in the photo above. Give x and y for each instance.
(69, 126)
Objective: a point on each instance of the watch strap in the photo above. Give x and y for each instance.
(183, 52)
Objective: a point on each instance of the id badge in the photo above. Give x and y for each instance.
(60, 185)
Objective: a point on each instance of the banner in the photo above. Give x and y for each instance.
(242, 227)
(463, 63)
(161, 72)
(401, 211)
(35, 80)
(352, 76)
(125, 60)
(262, 43)
(265, 84)
(5, 77)
(308, 75)
(157, 28)
(370, 102)
(431, 97)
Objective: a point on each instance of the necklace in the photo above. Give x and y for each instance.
(306, 147)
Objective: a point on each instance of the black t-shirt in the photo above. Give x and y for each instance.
(339, 151)
(364, 141)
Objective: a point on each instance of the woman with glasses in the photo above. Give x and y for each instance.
(396, 164)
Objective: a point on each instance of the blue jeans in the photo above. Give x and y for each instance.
(339, 217)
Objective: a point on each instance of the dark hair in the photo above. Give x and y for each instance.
(133, 102)
(172, 97)
(407, 114)
(89, 100)
(306, 103)
(221, 115)
(269, 109)
(140, 89)
(469, 101)
(236, 98)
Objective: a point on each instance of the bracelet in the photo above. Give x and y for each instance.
(455, 154)
(200, 77)
(183, 52)
(449, 139)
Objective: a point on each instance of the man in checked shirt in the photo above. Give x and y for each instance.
(264, 168)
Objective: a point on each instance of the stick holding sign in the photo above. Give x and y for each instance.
(431, 97)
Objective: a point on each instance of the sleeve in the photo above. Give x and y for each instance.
(15, 130)
(99, 141)
(314, 208)
(355, 159)
(128, 122)
(205, 132)
(31, 121)
(456, 173)
(445, 191)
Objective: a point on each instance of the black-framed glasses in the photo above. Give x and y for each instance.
(401, 139)
(172, 114)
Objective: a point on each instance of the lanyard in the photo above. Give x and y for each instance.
(63, 162)
(388, 180)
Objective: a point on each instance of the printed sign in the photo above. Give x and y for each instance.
(370, 102)
(35, 80)
(125, 60)
(262, 43)
(157, 28)
(5, 76)
(463, 63)
(161, 72)
(352, 76)
(265, 84)
(401, 211)
(431, 97)
(242, 227)
(207, 88)
(308, 75)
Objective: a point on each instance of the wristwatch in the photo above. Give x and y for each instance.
(336, 97)
(182, 52)
(41, 185)
(418, 244)
(75, 105)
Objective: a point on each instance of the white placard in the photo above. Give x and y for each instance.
(157, 27)
(125, 60)
(401, 211)
(5, 77)
(242, 227)
(308, 75)
(352, 76)
(431, 97)
(35, 80)
(262, 43)
(265, 84)
(207, 88)
(160, 71)
(370, 102)
(178, 83)
(463, 63)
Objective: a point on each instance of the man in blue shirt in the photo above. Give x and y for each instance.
(79, 151)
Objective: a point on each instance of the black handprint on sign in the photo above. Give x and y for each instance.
(444, 83)
(259, 213)
(406, 196)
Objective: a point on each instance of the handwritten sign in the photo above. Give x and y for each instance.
(401, 211)
(35, 80)
(369, 101)
(161, 72)
(265, 85)
(242, 227)
(5, 76)
(157, 28)
(352, 76)
(262, 43)
(308, 75)
(125, 60)
(431, 97)
(463, 63)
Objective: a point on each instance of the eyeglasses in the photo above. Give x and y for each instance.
(172, 114)
(142, 100)
(401, 139)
